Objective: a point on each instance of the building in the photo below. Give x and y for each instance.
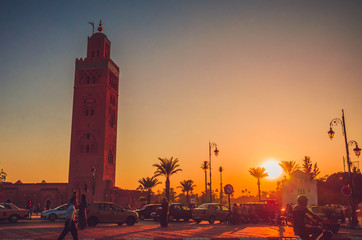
(44, 194)
(299, 183)
(92, 162)
(92, 165)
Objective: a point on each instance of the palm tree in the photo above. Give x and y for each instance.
(186, 187)
(147, 184)
(167, 167)
(205, 166)
(289, 167)
(3, 175)
(2, 178)
(258, 173)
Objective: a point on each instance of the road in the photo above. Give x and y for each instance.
(44, 229)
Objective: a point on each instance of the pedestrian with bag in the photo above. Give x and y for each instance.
(70, 220)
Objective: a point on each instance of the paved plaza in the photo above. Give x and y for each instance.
(39, 229)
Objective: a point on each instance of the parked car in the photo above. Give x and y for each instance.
(53, 214)
(12, 213)
(108, 212)
(210, 212)
(146, 210)
(329, 214)
(177, 211)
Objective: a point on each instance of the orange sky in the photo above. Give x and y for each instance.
(262, 80)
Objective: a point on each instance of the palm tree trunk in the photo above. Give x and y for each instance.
(205, 182)
(168, 189)
(149, 196)
(187, 198)
(259, 188)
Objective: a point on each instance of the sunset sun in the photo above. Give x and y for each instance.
(272, 168)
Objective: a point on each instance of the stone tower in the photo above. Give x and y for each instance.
(92, 161)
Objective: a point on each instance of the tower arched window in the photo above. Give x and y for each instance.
(111, 117)
(110, 157)
(87, 144)
(89, 106)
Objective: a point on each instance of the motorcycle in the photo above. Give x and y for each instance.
(327, 232)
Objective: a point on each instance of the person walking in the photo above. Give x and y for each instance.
(82, 213)
(235, 217)
(164, 213)
(30, 207)
(70, 220)
(277, 214)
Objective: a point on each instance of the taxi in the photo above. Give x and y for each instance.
(12, 213)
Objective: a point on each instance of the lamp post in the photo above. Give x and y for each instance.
(212, 145)
(357, 151)
(221, 194)
(93, 171)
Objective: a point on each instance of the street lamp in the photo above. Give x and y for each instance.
(93, 171)
(212, 145)
(356, 150)
(220, 170)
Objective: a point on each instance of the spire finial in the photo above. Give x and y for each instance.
(100, 29)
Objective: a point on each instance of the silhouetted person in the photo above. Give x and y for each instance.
(82, 214)
(70, 220)
(301, 212)
(164, 213)
(235, 214)
(47, 205)
(277, 213)
(30, 207)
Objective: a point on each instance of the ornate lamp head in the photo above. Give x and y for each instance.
(331, 133)
(357, 150)
(216, 152)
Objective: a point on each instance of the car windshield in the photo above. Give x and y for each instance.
(116, 208)
(185, 208)
(204, 206)
(62, 207)
(145, 206)
(8, 206)
(315, 209)
(224, 208)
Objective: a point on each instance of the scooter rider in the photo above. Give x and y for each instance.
(300, 212)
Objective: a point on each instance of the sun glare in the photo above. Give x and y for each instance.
(272, 168)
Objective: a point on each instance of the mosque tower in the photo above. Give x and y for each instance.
(92, 163)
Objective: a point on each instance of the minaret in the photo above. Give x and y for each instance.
(92, 162)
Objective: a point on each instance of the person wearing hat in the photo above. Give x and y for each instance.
(300, 212)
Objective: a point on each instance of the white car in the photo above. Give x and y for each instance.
(53, 214)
